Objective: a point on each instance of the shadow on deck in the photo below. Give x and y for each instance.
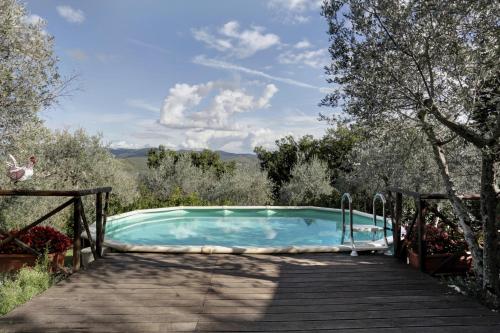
(134, 292)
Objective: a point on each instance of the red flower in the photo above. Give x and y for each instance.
(441, 239)
(38, 238)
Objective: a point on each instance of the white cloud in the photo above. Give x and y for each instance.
(311, 58)
(203, 115)
(33, 19)
(214, 63)
(219, 44)
(295, 11)
(124, 145)
(179, 107)
(70, 14)
(241, 43)
(141, 104)
(303, 44)
(78, 54)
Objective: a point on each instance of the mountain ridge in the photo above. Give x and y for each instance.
(143, 152)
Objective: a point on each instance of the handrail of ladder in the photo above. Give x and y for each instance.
(382, 198)
(349, 198)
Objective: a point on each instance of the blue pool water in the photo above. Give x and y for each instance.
(236, 228)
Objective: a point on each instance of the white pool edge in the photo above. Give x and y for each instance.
(210, 249)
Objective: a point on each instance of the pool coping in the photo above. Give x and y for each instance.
(377, 245)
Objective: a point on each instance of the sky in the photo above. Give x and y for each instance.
(226, 75)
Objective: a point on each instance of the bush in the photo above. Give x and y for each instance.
(20, 288)
(65, 161)
(40, 238)
(246, 185)
(177, 180)
(309, 185)
(440, 239)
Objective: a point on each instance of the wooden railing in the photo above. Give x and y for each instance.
(395, 196)
(79, 219)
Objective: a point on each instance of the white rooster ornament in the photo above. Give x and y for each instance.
(19, 173)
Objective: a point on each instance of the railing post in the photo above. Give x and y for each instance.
(105, 214)
(99, 237)
(396, 224)
(77, 232)
(421, 233)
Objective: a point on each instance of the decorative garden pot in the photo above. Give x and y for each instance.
(13, 262)
(443, 263)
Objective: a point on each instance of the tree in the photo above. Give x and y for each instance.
(29, 79)
(65, 161)
(309, 184)
(205, 159)
(332, 149)
(432, 65)
(245, 185)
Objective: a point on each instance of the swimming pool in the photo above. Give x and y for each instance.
(239, 230)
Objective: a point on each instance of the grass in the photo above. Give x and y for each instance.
(18, 288)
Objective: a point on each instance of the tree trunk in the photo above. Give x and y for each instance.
(491, 285)
(464, 217)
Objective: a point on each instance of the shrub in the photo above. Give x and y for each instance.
(246, 185)
(23, 286)
(309, 184)
(40, 238)
(440, 239)
(177, 181)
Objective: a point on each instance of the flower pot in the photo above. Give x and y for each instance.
(443, 263)
(12, 262)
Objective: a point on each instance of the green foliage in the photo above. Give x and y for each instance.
(29, 80)
(65, 161)
(245, 184)
(309, 185)
(24, 285)
(147, 200)
(332, 149)
(205, 160)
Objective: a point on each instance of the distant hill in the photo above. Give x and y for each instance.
(127, 152)
(136, 159)
(143, 152)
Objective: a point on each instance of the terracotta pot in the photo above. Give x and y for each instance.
(434, 262)
(13, 262)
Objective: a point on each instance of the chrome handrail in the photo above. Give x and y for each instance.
(349, 198)
(382, 198)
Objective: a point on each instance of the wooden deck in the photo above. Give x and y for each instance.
(250, 293)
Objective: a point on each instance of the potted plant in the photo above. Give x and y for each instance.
(40, 238)
(446, 250)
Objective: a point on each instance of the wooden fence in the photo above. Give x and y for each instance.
(396, 198)
(79, 219)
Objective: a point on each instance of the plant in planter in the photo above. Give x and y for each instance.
(40, 238)
(446, 250)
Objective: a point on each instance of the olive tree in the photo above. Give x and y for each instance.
(65, 161)
(309, 183)
(432, 65)
(29, 78)
(246, 185)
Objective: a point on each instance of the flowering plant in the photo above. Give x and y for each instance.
(38, 238)
(439, 240)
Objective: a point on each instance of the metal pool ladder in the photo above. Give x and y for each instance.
(370, 228)
(384, 217)
(347, 196)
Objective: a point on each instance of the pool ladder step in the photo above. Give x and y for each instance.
(363, 227)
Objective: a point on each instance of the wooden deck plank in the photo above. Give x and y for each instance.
(140, 292)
